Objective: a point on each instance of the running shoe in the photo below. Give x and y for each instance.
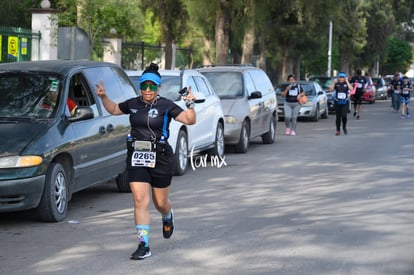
(287, 131)
(293, 133)
(337, 133)
(345, 131)
(142, 252)
(168, 226)
(355, 114)
(402, 117)
(408, 114)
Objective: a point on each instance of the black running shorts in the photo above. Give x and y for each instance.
(161, 175)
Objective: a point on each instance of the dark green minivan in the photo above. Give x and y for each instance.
(56, 138)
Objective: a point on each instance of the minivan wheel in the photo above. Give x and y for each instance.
(122, 182)
(54, 202)
(270, 136)
(181, 154)
(243, 144)
(218, 149)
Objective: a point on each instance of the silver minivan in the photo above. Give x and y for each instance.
(249, 103)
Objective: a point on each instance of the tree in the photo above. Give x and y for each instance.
(380, 25)
(16, 13)
(172, 17)
(249, 34)
(222, 31)
(97, 19)
(399, 56)
(350, 34)
(296, 29)
(201, 34)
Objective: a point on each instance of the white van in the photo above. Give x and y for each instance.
(249, 103)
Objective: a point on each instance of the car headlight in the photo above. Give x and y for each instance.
(20, 161)
(308, 104)
(230, 119)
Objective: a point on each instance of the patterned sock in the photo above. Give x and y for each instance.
(143, 232)
(166, 216)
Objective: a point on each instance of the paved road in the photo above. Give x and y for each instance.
(310, 204)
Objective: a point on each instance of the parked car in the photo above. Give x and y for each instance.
(331, 102)
(381, 88)
(324, 81)
(207, 134)
(369, 93)
(317, 105)
(249, 104)
(47, 154)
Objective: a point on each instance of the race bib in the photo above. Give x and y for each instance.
(341, 95)
(293, 92)
(396, 91)
(406, 91)
(359, 85)
(144, 154)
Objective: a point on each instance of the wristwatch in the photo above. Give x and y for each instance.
(189, 104)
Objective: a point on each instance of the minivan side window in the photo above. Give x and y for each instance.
(81, 94)
(248, 82)
(124, 81)
(117, 88)
(262, 81)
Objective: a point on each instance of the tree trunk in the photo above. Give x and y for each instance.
(249, 35)
(207, 52)
(222, 29)
(345, 63)
(287, 67)
(262, 51)
(168, 54)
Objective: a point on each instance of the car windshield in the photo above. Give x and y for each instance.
(378, 82)
(226, 85)
(29, 94)
(325, 82)
(170, 86)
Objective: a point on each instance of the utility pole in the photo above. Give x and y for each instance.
(330, 50)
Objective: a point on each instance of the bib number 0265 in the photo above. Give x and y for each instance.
(143, 159)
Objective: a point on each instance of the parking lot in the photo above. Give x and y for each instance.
(310, 204)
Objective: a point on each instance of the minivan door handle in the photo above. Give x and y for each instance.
(110, 128)
(102, 130)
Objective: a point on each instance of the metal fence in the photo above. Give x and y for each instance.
(16, 44)
(135, 56)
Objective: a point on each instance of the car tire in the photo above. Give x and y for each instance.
(53, 204)
(270, 136)
(243, 145)
(316, 116)
(218, 149)
(181, 154)
(122, 182)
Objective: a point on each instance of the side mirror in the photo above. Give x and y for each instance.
(256, 94)
(82, 113)
(320, 93)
